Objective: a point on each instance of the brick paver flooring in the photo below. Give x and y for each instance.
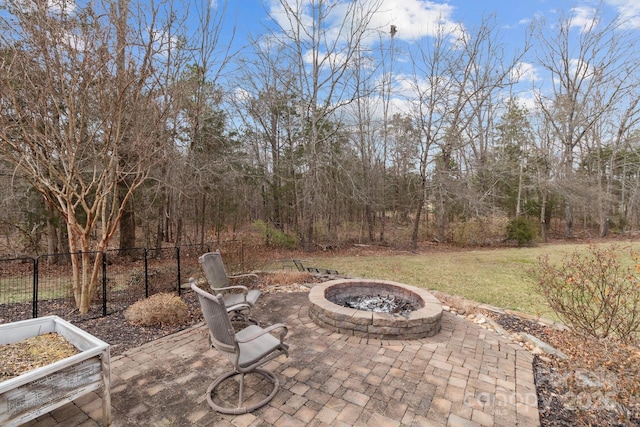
(464, 376)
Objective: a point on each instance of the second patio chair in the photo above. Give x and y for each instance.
(237, 298)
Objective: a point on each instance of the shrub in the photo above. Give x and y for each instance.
(158, 310)
(593, 294)
(521, 230)
(274, 237)
(485, 230)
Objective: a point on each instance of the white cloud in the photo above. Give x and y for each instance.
(413, 19)
(629, 11)
(581, 70)
(583, 18)
(525, 72)
(61, 6)
(74, 42)
(278, 12)
(241, 95)
(331, 61)
(528, 99)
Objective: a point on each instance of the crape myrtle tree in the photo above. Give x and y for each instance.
(82, 112)
(25, 220)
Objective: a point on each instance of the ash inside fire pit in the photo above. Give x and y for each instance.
(377, 304)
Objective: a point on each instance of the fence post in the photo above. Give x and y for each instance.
(178, 263)
(146, 275)
(104, 284)
(34, 304)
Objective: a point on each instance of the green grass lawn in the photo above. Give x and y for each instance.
(500, 277)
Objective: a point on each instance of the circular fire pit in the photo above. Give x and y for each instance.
(420, 323)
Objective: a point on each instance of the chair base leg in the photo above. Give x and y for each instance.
(240, 409)
(241, 317)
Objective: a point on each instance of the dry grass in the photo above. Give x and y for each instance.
(461, 305)
(158, 310)
(34, 352)
(284, 278)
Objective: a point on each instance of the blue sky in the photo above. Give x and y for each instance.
(415, 20)
(411, 16)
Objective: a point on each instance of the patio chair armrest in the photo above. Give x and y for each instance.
(244, 289)
(238, 307)
(240, 276)
(263, 331)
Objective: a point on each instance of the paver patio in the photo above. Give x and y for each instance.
(464, 376)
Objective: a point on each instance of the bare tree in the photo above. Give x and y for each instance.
(402, 146)
(592, 69)
(431, 88)
(491, 66)
(364, 137)
(272, 129)
(512, 156)
(322, 39)
(456, 80)
(77, 96)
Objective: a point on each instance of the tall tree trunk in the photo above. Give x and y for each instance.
(568, 217)
(127, 224)
(543, 218)
(160, 227)
(442, 218)
(370, 217)
(52, 234)
(568, 203)
(203, 213)
(416, 223)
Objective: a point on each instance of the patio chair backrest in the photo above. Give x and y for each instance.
(214, 270)
(217, 319)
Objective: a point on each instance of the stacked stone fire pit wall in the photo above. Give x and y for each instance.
(421, 323)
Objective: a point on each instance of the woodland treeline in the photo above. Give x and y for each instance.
(127, 124)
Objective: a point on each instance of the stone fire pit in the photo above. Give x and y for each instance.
(420, 323)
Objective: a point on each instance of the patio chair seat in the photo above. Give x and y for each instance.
(255, 349)
(234, 299)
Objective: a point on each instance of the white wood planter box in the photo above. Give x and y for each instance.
(41, 390)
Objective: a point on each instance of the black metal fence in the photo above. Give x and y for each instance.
(42, 286)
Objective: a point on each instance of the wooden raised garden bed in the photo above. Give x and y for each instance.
(46, 388)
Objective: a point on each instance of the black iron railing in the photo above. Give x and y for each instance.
(42, 285)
